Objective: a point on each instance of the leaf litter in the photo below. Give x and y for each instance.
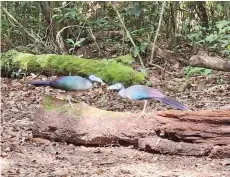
(23, 155)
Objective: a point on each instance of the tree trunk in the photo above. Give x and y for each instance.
(202, 13)
(173, 19)
(198, 133)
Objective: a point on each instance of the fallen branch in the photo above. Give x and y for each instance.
(201, 133)
(206, 61)
(199, 60)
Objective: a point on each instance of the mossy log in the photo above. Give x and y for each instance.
(198, 133)
(111, 70)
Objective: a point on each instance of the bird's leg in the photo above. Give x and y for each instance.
(70, 103)
(143, 111)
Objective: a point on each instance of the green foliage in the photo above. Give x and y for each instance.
(67, 14)
(218, 39)
(220, 80)
(44, 20)
(141, 48)
(197, 70)
(74, 44)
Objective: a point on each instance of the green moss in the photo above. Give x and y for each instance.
(51, 104)
(111, 71)
(7, 59)
(43, 60)
(25, 60)
(126, 59)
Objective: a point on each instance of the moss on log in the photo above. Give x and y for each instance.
(110, 70)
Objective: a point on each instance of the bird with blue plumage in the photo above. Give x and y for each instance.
(141, 92)
(69, 83)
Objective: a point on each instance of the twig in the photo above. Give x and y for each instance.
(59, 38)
(20, 25)
(158, 29)
(94, 38)
(59, 32)
(123, 39)
(157, 66)
(129, 36)
(81, 30)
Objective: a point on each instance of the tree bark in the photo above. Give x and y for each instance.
(202, 13)
(205, 61)
(198, 133)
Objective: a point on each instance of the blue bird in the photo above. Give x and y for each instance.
(69, 83)
(141, 92)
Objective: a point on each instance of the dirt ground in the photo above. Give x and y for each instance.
(22, 155)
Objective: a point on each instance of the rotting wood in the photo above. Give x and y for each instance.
(196, 133)
(214, 63)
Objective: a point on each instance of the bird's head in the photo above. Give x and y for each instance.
(117, 86)
(96, 79)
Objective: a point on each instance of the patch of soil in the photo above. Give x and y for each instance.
(23, 155)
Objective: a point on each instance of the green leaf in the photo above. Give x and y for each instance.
(72, 14)
(135, 51)
(70, 41)
(135, 10)
(222, 24)
(78, 43)
(211, 38)
(206, 71)
(197, 70)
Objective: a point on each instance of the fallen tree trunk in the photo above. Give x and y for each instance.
(200, 60)
(111, 70)
(205, 61)
(201, 133)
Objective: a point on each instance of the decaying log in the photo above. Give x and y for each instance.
(206, 61)
(200, 60)
(114, 70)
(200, 133)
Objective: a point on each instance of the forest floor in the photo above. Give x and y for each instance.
(22, 155)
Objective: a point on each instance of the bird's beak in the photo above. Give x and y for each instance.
(112, 87)
(98, 79)
(102, 83)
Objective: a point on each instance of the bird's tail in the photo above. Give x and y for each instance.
(172, 102)
(40, 83)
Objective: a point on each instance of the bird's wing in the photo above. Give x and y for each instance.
(71, 83)
(141, 92)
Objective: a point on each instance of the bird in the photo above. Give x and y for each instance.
(141, 92)
(69, 83)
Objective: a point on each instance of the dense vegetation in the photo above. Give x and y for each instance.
(95, 29)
